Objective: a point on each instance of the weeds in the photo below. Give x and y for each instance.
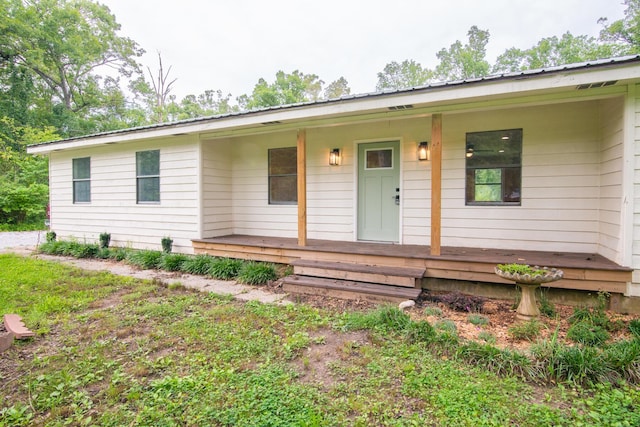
(478, 320)
(525, 330)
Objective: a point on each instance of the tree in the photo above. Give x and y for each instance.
(623, 34)
(337, 88)
(161, 89)
(407, 74)
(464, 62)
(286, 89)
(552, 51)
(64, 44)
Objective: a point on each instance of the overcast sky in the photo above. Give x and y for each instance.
(230, 44)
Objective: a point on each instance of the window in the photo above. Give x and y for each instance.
(283, 176)
(494, 167)
(81, 180)
(148, 176)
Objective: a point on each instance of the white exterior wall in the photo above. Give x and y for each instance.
(560, 181)
(634, 103)
(611, 172)
(113, 206)
(217, 205)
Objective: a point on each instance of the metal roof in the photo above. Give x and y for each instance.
(431, 86)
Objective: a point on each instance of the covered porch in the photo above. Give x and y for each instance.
(582, 271)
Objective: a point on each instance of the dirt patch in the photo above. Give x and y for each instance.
(328, 347)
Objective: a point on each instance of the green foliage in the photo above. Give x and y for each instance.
(51, 236)
(634, 327)
(420, 331)
(447, 326)
(487, 337)
(406, 74)
(146, 259)
(547, 308)
(105, 239)
(502, 362)
(587, 333)
(167, 244)
(225, 268)
(478, 319)
(257, 273)
(173, 262)
(525, 330)
(199, 264)
(521, 269)
(22, 203)
(433, 311)
(384, 318)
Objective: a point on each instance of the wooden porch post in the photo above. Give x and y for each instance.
(436, 182)
(302, 187)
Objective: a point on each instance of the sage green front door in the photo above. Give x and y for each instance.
(379, 191)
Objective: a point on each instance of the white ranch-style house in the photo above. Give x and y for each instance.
(444, 181)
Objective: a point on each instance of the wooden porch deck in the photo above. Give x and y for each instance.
(590, 272)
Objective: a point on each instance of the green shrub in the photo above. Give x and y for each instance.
(525, 330)
(118, 254)
(257, 273)
(146, 259)
(446, 325)
(487, 337)
(172, 262)
(623, 357)
(587, 333)
(433, 311)
(634, 327)
(501, 362)
(578, 364)
(199, 264)
(51, 236)
(105, 239)
(103, 253)
(85, 250)
(225, 268)
(547, 308)
(384, 318)
(420, 331)
(167, 244)
(478, 320)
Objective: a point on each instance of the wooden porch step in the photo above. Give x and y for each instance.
(395, 276)
(348, 289)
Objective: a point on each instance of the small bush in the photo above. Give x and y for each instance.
(172, 262)
(51, 236)
(478, 320)
(433, 311)
(225, 268)
(146, 259)
(525, 330)
(105, 239)
(257, 273)
(623, 357)
(547, 308)
(85, 250)
(384, 318)
(587, 333)
(118, 254)
(199, 264)
(634, 327)
(167, 244)
(446, 325)
(487, 337)
(501, 362)
(420, 331)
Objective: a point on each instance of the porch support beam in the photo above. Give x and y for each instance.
(302, 187)
(436, 182)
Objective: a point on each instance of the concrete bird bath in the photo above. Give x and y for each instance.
(529, 279)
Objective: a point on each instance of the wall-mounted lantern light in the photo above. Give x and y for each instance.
(334, 157)
(423, 151)
(469, 152)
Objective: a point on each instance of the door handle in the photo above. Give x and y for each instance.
(397, 199)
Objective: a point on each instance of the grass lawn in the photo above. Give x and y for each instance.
(113, 351)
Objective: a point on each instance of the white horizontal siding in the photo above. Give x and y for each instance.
(113, 206)
(217, 206)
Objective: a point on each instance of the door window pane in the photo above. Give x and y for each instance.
(379, 159)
